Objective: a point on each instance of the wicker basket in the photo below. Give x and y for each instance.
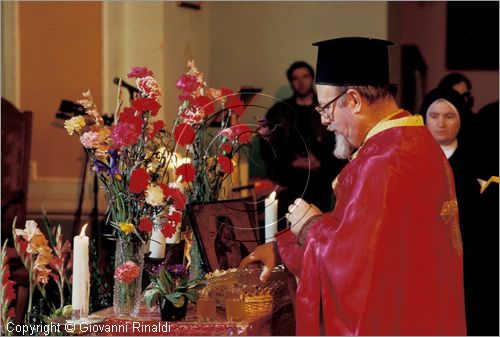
(259, 298)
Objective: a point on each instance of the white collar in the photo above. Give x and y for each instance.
(450, 148)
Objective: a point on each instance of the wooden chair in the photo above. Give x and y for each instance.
(16, 148)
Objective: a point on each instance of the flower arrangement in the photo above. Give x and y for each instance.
(171, 284)
(133, 155)
(130, 160)
(212, 154)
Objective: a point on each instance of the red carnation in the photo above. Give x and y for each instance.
(146, 225)
(187, 172)
(184, 134)
(206, 104)
(243, 133)
(139, 180)
(175, 217)
(225, 164)
(128, 115)
(226, 92)
(146, 104)
(179, 199)
(235, 104)
(169, 229)
(228, 147)
(157, 126)
(139, 72)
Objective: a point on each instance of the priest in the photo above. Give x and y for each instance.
(388, 259)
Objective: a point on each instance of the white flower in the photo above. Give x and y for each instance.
(154, 195)
(30, 230)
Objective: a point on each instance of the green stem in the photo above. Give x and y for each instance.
(30, 298)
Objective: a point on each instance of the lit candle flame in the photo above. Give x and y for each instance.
(82, 233)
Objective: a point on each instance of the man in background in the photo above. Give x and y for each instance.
(299, 153)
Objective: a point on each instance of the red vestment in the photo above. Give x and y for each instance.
(388, 259)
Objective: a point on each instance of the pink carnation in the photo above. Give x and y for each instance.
(124, 134)
(187, 83)
(127, 272)
(91, 139)
(139, 72)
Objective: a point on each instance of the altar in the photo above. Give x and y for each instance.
(280, 322)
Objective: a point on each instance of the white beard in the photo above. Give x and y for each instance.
(342, 147)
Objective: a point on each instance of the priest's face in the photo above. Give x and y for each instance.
(336, 118)
(443, 121)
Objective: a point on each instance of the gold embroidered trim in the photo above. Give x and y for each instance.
(449, 212)
(449, 209)
(392, 123)
(388, 123)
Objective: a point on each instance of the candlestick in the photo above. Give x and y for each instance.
(157, 245)
(81, 276)
(271, 217)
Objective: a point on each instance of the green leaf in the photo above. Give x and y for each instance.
(183, 283)
(162, 276)
(152, 296)
(176, 298)
(192, 296)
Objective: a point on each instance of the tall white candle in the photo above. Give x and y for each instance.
(271, 217)
(157, 244)
(81, 275)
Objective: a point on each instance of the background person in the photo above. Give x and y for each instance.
(444, 111)
(299, 153)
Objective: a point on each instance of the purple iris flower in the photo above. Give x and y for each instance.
(112, 169)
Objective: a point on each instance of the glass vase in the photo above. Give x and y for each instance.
(129, 264)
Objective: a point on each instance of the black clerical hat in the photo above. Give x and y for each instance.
(353, 61)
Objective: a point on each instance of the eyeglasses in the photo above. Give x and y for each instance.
(321, 109)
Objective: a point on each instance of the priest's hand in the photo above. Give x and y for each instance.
(299, 212)
(267, 254)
